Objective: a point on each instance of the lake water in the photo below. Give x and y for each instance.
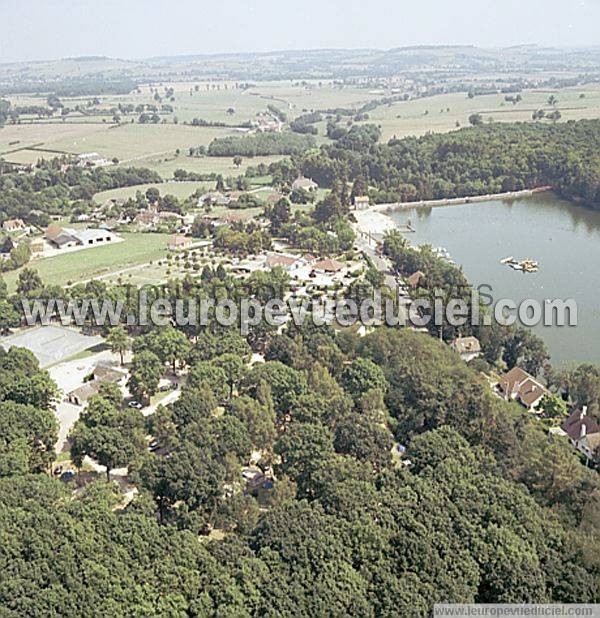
(562, 237)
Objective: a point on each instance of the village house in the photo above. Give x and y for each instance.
(328, 266)
(518, 385)
(304, 183)
(215, 198)
(583, 432)
(414, 280)
(14, 225)
(361, 202)
(146, 220)
(110, 225)
(178, 242)
(289, 263)
(467, 347)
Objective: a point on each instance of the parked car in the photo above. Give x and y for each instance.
(68, 475)
(135, 404)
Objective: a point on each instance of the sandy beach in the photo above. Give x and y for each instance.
(373, 221)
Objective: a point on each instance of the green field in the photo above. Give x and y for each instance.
(181, 190)
(155, 146)
(419, 116)
(165, 166)
(91, 263)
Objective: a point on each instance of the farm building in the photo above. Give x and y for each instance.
(63, 238)
(13, 225)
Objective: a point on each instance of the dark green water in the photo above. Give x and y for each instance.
(562, 237)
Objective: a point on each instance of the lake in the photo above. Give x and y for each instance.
(562, 237)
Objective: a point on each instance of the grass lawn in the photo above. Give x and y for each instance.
(91, 263)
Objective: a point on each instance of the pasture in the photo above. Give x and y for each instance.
(164, 147)
(86, 264)
(441, 113)
(181, 190)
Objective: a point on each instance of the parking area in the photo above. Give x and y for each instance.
(50, 344)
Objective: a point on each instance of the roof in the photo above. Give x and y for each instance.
(13, 224)
(91, 234)
(592, 442)
(579, 419)
(361, 199)
(214, 196)
(278, 259)
(510, 380)
(415, 278)
(107, 374)
(304, 183)
(331, 266)
(145, 217)
(519, 384)
(53, 231)
(531, 392)
(6, 245)
(467, 345)
(179, 241)
(64, 238)
(87, 390)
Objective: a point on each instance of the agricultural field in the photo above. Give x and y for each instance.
(164, 147)
(79, 266)
(155, 145)
(166, 165)
(180, 190)
(442, 113)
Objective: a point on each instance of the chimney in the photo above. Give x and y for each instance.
(583, 431)
(583, 413)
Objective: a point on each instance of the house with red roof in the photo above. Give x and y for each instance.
(583, 432)
(518, 385)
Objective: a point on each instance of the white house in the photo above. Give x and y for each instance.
(468, 347)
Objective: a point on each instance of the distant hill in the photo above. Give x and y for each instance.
(457, 60)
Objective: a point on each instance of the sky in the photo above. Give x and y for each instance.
(132, 29)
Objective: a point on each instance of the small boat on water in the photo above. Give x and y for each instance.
(527, 266)
(508, 260)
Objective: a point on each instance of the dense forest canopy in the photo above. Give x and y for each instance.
(51, 190)
(489, 511)
(261, 144)
(473, 161)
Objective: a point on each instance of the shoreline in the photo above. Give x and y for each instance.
(376, 219)
(509, 195)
